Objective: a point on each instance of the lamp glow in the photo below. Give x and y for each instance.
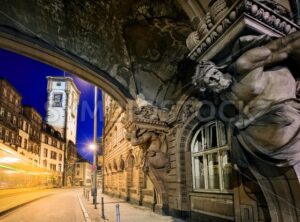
(92, 146)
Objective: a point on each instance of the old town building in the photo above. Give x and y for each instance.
(34, 133)
(83, 172)
(207, 92)
(10, 114)
(22, 129)
(124, 176)
(52, 152)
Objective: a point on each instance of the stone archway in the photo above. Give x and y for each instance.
(67, 62)
(130, 49)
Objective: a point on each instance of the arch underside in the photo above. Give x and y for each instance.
(131, 49)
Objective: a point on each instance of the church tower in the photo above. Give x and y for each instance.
(62, 106)
(62, 113)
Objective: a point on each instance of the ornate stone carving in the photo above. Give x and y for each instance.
(218, 28)
(202, 28)
(217, 10)
(192, 40)
(154, 146)
(267, 126)
(145, 113)
(146, 117)
(271, 15)
(277, 8)
(190, 107)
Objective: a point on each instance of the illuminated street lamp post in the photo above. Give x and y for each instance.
(94, 185)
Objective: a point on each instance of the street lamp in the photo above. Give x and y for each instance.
(94, 147)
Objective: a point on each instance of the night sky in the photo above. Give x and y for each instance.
(28, 76)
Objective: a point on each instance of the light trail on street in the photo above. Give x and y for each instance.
(63, 206)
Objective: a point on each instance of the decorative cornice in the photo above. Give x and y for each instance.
(217, 30)
(146, 117)
(268, 17)
(248, 9)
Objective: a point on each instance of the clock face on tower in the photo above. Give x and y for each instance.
(53, 116)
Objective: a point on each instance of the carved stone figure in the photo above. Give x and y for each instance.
(266, 128)
(153, 145)
(264, 93)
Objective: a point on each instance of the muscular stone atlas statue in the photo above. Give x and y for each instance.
(153, 145)
(264, 91)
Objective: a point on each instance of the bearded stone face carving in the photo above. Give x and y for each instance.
(209, 76)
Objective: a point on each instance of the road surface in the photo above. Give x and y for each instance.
(60, 207)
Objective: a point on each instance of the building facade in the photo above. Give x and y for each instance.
(34, 133)
(62, 114)
(22, 129)
(83, 172)
(11, 117)
(123, 168)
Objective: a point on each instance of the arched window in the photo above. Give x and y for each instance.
(121, 165)
(211, 158)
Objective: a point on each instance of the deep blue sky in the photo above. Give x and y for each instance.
(28, 76)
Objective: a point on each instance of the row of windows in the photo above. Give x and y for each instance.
(18, 122)
(12, 138)
(53, 142)
(116, 136)
(33, 147)
(53, 166)
(8, 116)
(35, 117)
(30, 146)
(9, 136)
(12, 98)
(53, 155)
